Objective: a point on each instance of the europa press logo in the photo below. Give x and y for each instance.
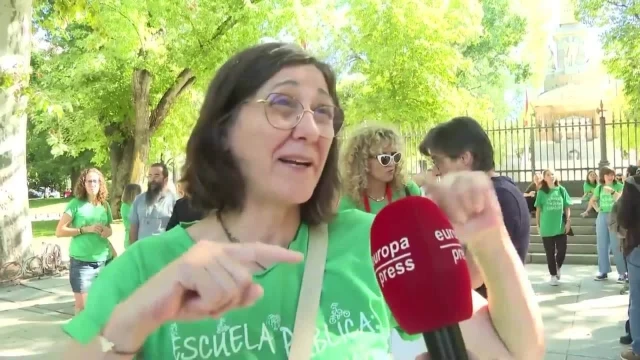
(452, 243)
(392, 260)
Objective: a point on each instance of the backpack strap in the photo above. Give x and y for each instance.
(406, 191)
(304, 327)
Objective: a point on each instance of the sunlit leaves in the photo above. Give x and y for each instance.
(621, 41)
(425, 61)
(412, 62)
(94, 47)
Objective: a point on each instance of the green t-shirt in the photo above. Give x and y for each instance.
(606, 200)
(125, 209)
(588, 189)
(552, 205)
(353, 321)
(346, 202)
(90, 246)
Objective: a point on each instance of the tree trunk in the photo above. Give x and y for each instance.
(75, 174)
(142, 130)
(175, 171)
(129, 157)
(15, 52)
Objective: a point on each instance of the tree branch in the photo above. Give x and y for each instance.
(230, 21)
(135, 27)
(623, 6)
(182, 82)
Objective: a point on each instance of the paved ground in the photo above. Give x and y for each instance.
(583, 318)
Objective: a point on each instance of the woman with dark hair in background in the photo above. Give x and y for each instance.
(589, 187)
(532, 190)
(553, 206)
(604, 196)
(183, 212)
(628, 219)
(87, 220)
(262, 163)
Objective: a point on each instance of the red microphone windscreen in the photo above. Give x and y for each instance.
(420, 266)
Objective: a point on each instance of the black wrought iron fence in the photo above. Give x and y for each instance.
(572, 146)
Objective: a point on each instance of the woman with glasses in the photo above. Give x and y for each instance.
(372, 175)
(87, 220)
(262, 164)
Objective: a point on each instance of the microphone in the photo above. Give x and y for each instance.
(421, 269)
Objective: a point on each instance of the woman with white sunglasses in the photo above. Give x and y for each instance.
(372, 175)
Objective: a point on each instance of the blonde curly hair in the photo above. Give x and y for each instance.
(368, 141)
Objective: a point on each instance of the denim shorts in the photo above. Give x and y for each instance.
(82, 274)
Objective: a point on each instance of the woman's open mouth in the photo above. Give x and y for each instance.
(295, 162)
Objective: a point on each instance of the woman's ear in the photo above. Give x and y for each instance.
(467, 158)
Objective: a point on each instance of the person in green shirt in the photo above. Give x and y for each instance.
(373, 175)
(589, 187)
(262, 163)
(87, 220)
(604, 196)
(128, 195)
(553, 205)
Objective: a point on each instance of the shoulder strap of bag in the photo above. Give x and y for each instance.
(406, 191)
(304, 327)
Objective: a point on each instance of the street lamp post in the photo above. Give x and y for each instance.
(603, 137)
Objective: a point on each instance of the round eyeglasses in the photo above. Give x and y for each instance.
(389, 159)
(285, 112)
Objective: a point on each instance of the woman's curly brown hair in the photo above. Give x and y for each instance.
(368, 141)
(80, 190)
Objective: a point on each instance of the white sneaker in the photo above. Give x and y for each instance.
(553, 280)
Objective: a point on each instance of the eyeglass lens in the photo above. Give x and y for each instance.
(285, 112)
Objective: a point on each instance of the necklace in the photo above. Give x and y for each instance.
(230, 236)
(234, 239)
(376, 199)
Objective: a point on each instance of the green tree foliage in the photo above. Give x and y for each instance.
(430, 60)
(620, 21)
(534, 49)
(423, 62)
(47, 168)
(114, 72)
(119, 81)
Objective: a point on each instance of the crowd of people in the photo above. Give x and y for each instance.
(550, 203)
(220, 269)
(615, 198)
(227, 244)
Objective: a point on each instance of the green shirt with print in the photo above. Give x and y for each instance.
(353, 321)
(88, 246)
(346, 202)
(552, 205)
(588, 189)
(605, 199)
(125, 210)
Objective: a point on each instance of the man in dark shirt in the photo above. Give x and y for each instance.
(461, 144)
